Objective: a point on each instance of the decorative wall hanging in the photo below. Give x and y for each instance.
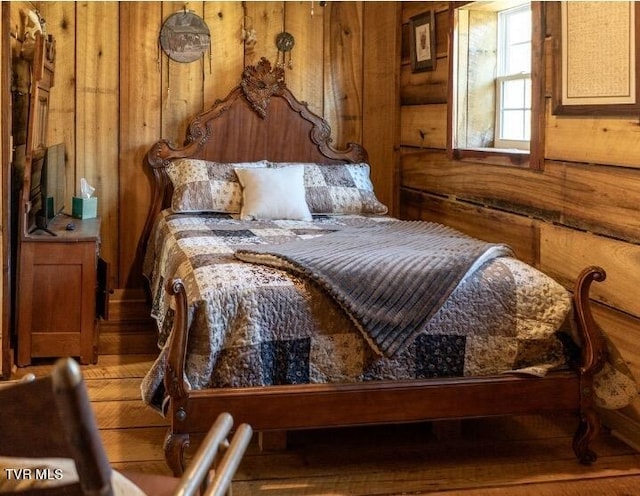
(423, 42)
(596, 63)
(284, 44)
(185, 36)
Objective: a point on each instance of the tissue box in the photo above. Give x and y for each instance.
(84, 208)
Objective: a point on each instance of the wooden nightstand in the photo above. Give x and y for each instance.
(56, 292)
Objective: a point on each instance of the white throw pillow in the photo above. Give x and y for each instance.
(273, 193)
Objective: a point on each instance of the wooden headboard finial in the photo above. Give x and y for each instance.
(260, 82)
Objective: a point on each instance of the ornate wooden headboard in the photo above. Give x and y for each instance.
(259, 119)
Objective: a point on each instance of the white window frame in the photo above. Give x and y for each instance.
(506, 143)
(457, 148)
(503, 47)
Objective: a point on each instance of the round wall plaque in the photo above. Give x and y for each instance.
(184, 36)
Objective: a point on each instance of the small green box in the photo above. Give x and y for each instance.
(84, 208)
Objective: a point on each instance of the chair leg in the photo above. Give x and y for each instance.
(588, 429)
(174, 446)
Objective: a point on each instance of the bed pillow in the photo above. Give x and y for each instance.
(273, 193)
(338, 188)
(202, 186)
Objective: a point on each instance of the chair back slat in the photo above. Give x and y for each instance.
(80, 428)
(30, 425)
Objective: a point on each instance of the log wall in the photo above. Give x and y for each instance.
(582, 209)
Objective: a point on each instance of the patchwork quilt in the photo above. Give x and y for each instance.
(253, 325)
(410, 269)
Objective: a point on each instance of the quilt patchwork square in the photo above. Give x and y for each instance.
(439, 356)
(286, 362)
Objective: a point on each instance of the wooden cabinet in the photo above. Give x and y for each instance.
(57, 288)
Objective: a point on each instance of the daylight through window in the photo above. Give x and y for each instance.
(494, 103)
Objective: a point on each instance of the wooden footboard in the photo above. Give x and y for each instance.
(325, 405)
(593, 358)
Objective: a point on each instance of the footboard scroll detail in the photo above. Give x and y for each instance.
(176, 386)
(594, 355)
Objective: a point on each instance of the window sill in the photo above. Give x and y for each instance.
(493, 156)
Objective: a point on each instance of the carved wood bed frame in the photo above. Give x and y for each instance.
(261, 119)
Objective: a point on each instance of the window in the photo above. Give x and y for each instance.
(497, 97)
(513, 84)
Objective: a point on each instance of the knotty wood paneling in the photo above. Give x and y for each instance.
(343, 71)
(224, 63)
(424, 126)
(117, 93)
(62, 110)
(267, 18)
(380, 113)
(96, 118)
(305, 76)
(139, 125)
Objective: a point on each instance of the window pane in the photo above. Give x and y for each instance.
(519, 27)
(527, 125)
(513, 125)
(513, 95)
(519, 59)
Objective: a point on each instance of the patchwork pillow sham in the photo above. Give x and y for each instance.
(338, 188)
(269, 194)
(203, 186)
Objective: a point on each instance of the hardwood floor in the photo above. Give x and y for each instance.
(488, 457)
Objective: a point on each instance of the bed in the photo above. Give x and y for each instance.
(213, 323)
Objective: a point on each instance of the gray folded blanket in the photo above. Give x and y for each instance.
(390, 278)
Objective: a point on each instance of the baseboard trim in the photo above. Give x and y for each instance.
(130, 328)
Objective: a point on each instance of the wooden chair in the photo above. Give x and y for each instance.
(51, 417)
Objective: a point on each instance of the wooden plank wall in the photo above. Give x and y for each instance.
(4, 101)
(582, 209)
(117, 93)
(14, 121)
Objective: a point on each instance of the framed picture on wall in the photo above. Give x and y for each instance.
(423, 42)
(596, 63)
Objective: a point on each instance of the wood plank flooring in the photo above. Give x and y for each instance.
(487, 457)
